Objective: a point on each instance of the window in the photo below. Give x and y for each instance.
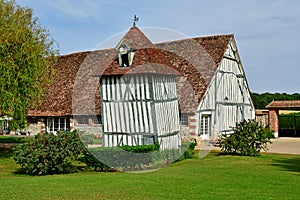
(205, 125)
(55, 124)
(184, 119)
(82, 119)
(4, 123)
(97, 119)
(125, 55)
(4, 127)
(32, 120)
(125, 61)
(148, 140)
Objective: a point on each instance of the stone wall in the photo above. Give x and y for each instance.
(95, 129)
(35, 129)
(188, 133)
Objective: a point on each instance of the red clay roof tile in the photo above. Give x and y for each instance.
(281, 104)
(195, 59)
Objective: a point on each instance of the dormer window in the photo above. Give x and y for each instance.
(125, 55)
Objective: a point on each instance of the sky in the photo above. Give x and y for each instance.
(267, 32)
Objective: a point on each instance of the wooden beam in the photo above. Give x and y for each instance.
(232, 103)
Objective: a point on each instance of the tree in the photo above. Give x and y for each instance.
(26, 53)
(262, 100)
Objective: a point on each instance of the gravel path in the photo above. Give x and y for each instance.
(280, 145)
(285, 145)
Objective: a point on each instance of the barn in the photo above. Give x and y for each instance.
(140, 90)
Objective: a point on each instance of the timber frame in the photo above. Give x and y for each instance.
(210, 66)
(140, 110)
(227, 99)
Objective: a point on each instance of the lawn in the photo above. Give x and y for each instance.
(13, 139)
(269, 176)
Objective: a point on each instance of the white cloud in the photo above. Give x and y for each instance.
(266, 31)
(77, 9)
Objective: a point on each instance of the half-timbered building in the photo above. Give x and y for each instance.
(138, 96)
(134, 92)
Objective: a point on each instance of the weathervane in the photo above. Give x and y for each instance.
(135, 20)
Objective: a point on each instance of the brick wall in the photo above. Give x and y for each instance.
(192, 124)
(274, 121)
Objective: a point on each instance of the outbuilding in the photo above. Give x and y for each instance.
(274, 108)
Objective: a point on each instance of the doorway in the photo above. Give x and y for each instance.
(205, 126)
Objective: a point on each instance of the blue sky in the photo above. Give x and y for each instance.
(266, 31)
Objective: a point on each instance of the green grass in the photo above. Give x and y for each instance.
(269, 176)
(13, 139)
(97, 141)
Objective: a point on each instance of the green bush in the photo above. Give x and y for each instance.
(248, 139)
(94, 164)
(189, 150)
(140, 148)
(124, 157)
(289, 121)
(54, 154)
(134, 157)
(173, 155)
(87, 139)
(49, 154)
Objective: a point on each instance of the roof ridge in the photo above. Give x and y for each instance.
(170, 41)
(190, 38)
(75, 53)
(136, 39)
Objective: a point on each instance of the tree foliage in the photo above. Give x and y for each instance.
(248, 139)
(26, 52)
(262, 100)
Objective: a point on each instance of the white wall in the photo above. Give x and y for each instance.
(228, 99)
(135, 106)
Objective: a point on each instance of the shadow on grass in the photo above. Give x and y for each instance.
(5, 152)
(288, 164)
(221, 153)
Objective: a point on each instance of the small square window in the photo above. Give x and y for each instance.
(184, 119)
(82, 119)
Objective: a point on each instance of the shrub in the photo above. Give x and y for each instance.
(54, 154)
(248, 139)
(124, 157)
(93, 164)
(87, 139)
(49, 154)
(188, 150)
(134, 157)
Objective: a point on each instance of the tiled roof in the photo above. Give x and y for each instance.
(58, 99)
(195, 59)
(281, 104)
(147, 60)
(136, 39)
(261, 112)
